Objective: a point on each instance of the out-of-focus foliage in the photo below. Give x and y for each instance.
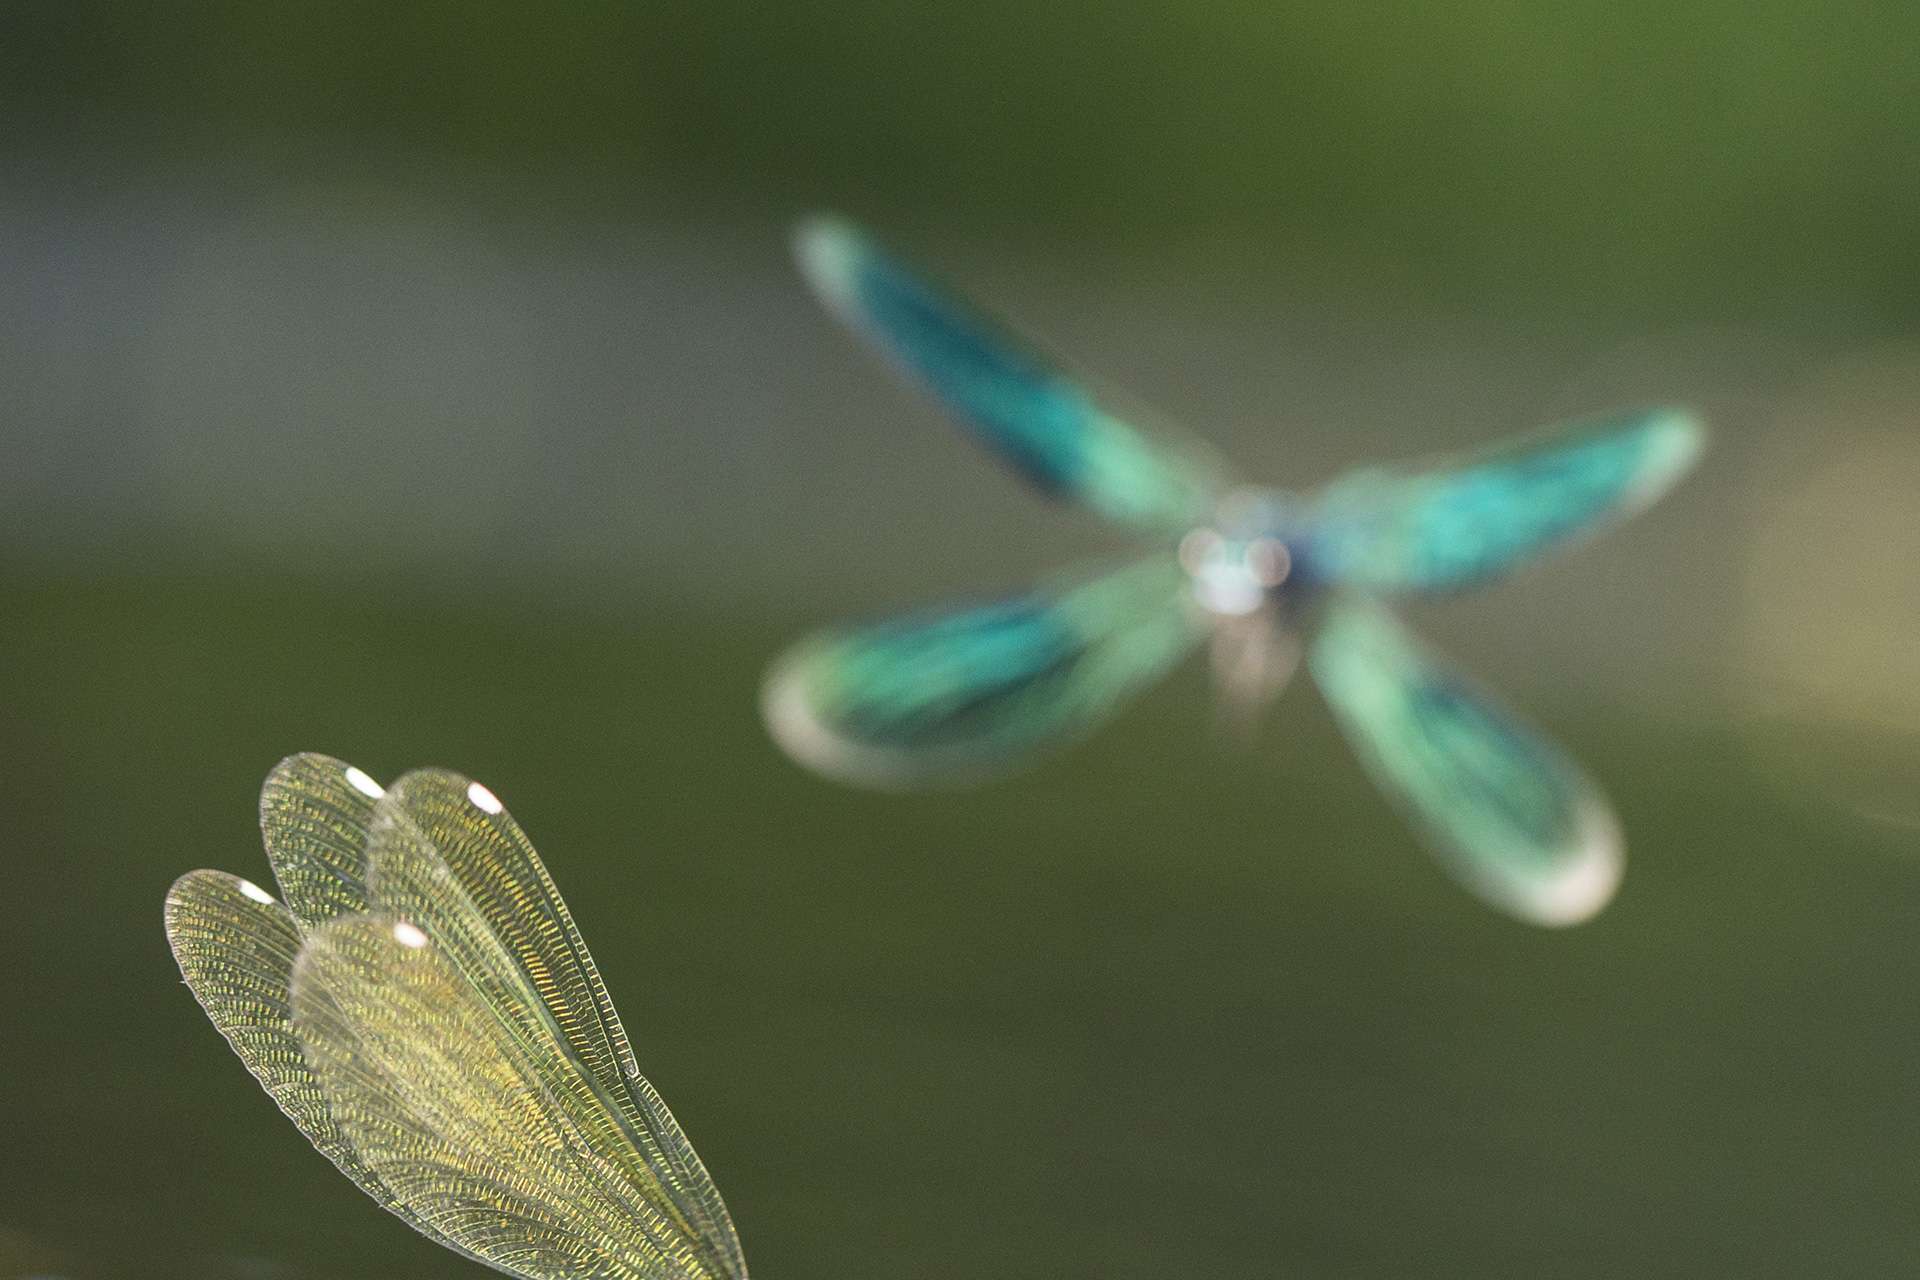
(426, 382)
(1639, 152)
(1163, 1006)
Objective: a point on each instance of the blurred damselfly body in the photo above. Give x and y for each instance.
(964, 691)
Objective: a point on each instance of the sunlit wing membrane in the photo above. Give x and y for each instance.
(494, 1103)
(314, 816)
(1448, 528)
(952, 694)
(461, 1126)
(1510, 815)
(236, 948)
(445, 855)
(1015, 399)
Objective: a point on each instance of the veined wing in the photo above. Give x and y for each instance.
(1387, 531)
(450, 1115)
(1510, 815)
(1016, 400)
(445, 855)
(314, 815)
(236, 948)
(970, 690)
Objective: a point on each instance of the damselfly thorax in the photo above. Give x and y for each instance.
(1245, 570)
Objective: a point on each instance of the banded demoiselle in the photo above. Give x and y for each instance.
(963, 691)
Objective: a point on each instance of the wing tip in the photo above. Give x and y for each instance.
(296, 771)
(186, 882)
(1581, 888)
(193, 887)
(303, 762)
(205, 911)
(1358, 638)
(827, 248)
(798, 728)
(1677, 436)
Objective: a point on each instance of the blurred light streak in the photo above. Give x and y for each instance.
(1827, 656)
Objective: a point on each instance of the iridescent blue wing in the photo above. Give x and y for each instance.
(1504, 809)
(1016, 400)
(968, 691)
(1447, 528)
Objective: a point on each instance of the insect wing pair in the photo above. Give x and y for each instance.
(423, 1008)
(965, 691)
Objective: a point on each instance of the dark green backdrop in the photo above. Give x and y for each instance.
(422, 383)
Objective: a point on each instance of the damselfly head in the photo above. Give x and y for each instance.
(1243, 560)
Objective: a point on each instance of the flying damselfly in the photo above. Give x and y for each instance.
(960, 692)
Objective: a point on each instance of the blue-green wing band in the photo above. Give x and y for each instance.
(1448, 528)
(1504, 809)
(1013, 398)
(969, 691)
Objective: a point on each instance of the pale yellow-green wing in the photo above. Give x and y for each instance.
(445, 855)
(451, 1116)
(236, 948)
(314, 815)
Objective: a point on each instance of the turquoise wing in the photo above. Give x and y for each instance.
(1385, 531)
(968, 691)
(1016, 400)
(1506, 811)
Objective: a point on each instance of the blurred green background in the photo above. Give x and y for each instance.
(426, 383)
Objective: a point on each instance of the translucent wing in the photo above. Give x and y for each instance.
(966, 691)
(448, 1114)
(445, 855)
(1509, 814)
(1383, 531)
(620, 1192)
(236, 949)
(314, 816)
(1015, 399)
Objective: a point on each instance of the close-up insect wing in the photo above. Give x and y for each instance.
(236, 948)
(463, 1126)
(472, 1078)
(445, 854)
(315, 813)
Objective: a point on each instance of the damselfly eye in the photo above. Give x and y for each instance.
(1197, 549)
(1269, 560)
